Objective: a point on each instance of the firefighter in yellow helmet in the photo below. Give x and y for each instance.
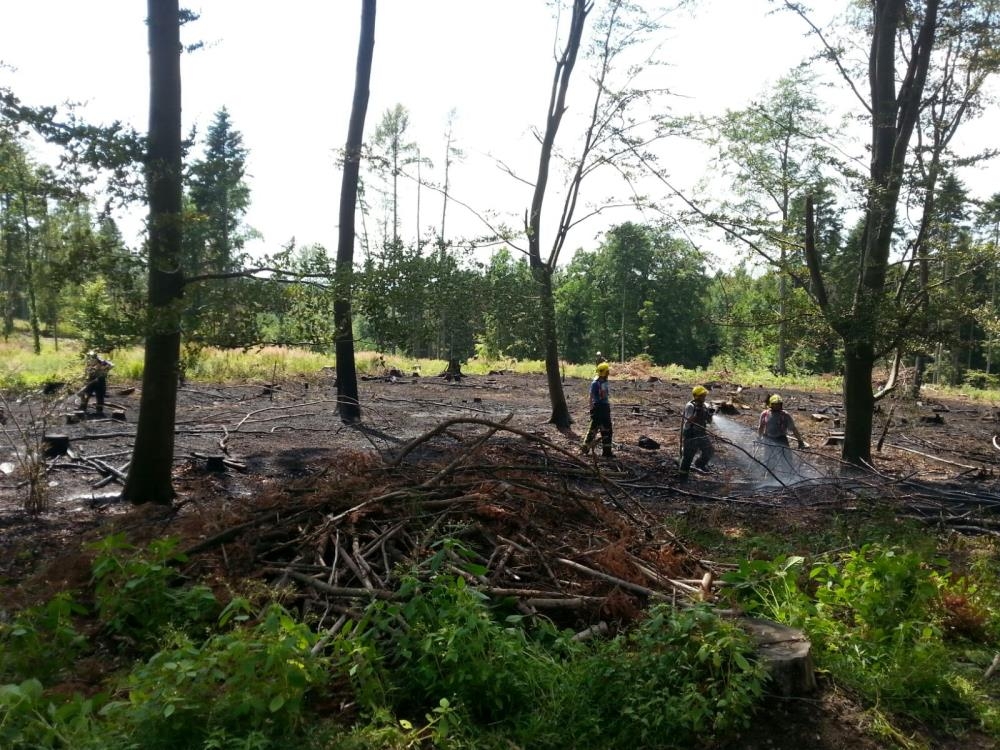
(695, 440)
(600, 412)
(775, 423)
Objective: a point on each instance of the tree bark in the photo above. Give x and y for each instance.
(553, 377)
(859, 402)
(894, 115)
(150, 471)
(347, 376)
(541, 269)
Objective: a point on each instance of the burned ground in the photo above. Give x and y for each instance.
(586, 541)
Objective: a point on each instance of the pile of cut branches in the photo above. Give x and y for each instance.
(518, 517)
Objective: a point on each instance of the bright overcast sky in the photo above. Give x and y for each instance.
(285, 72)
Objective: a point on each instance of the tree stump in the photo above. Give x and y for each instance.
(786, 654)
(55, 445)
(52, 386)
(453, 371)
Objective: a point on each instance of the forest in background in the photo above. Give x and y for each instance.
(641, 291)
(892, 262)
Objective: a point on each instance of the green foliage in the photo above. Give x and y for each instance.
(29, 720)
(875, 618)
(678, 679)
(243, 688)
(772, 589)
(385, 732)
(678, 676)
(987, 381)
(138, 593)
(512, 311)
(21, 369)
(105, 325)
(449, 649)
(420, 304)
(641, 289)
(40, 642)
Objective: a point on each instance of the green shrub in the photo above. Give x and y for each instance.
(680, 678)
(247, 686)
(771, 589)
(874, 617)
(41, 641)
(138, 593)
(878, 626)
(452, 647)
(31, 721)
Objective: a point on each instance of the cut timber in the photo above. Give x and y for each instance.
(786, 654)
(834, 438)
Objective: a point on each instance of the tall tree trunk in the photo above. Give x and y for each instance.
(420, 184)
(7, 272)
(447, 174)
(150, 472)
(553, 377)
(993, 310)
(780, 365)
(29, 266)
(919, 373)
(347, 375)
(893, 117)
(859, 401)
(543, 269)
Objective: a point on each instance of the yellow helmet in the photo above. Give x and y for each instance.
(699, 390)
(775, 399)
(603, 369)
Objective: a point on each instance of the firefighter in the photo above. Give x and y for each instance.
(775, 423)
(695, 440)
(600, 412)
(97, 370)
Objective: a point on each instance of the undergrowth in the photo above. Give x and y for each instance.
(442, 666)
(907, 628)
(902, 627)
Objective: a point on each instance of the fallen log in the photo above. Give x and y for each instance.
(933, 458)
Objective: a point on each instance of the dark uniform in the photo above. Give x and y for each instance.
(600, 411)
(97, 381)
(696, 438)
